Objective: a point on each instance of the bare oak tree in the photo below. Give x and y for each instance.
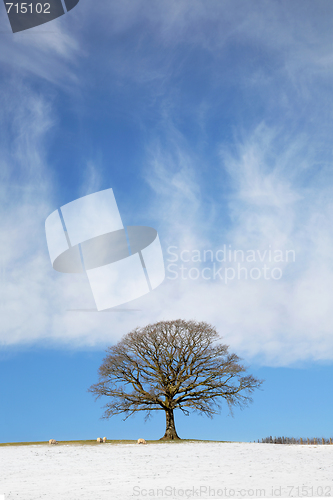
(169, 365)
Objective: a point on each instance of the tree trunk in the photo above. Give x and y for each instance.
(170, 431)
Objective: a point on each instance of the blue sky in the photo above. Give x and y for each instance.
(211, 122)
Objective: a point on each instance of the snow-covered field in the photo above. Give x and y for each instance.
(165, 470)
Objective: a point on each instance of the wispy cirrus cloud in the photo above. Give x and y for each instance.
(47, 53)
(270, 207)
(193, 73)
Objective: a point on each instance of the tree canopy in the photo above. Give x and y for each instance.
(172, 365)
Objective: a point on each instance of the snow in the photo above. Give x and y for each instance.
(165, 470)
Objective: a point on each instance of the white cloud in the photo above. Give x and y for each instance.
(92, 178)
(47, 52)
(275, 321)
(278, 189)
(291, 40)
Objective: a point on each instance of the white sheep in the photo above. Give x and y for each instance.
(99, 440)
(104, 439)
(141, 441)
(53, 441)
